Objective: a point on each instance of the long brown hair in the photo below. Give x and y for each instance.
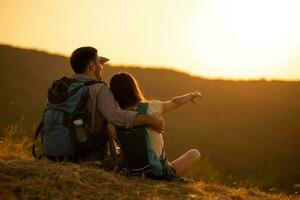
(126, 90)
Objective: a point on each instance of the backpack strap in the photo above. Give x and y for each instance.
(112, 147)
(88, 83)
(142, 108)
(36, 135)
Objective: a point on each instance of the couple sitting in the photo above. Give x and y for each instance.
(80, 110)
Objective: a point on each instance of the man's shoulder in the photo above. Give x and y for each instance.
(97, 87)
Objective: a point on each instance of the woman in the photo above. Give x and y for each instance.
(128, 94)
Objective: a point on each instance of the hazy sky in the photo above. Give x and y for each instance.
(212, 38)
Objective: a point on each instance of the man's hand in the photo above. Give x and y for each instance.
(157, 123)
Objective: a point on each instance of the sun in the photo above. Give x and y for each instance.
(240, 38)
(258, 22)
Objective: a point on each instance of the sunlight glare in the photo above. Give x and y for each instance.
(239, 38)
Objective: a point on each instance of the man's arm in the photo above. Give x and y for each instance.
(112, 112)
(156, 122)
(178, 101)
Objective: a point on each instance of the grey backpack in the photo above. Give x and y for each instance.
(64, 129)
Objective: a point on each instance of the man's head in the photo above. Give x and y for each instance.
(85, 60)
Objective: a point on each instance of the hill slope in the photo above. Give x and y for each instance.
(247, 131)
(25, 179)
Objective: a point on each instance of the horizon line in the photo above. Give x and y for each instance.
(160, 67)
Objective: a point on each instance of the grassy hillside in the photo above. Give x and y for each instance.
(44, 180)
(24, 178)
(247, 131)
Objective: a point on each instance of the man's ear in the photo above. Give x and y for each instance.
(91, 67)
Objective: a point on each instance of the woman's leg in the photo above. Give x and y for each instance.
(185, 162)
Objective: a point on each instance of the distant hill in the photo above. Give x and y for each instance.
(247, 131)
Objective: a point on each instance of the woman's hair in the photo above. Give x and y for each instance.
(126, 90)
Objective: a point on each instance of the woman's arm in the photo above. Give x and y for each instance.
(178, 101)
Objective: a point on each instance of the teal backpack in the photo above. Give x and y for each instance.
(137, 154)
(64, 129)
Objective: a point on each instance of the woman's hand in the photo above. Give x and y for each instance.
(194, 95)
(178, 101)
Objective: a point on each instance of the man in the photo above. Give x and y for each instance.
(101, 104)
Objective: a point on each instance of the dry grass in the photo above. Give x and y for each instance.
(14, 146)
(21, 177)
(27, 179)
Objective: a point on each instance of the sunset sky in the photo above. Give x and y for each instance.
(211, 38)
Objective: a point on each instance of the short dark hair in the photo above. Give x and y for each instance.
(81, 57)
(126, 90)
